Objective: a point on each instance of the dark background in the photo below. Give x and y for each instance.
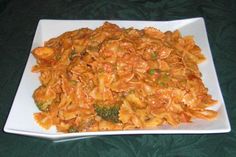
(18, 21)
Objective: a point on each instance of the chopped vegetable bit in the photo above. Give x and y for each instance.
(73, 54)
(72, 129)
(163, 80)
(74, 82)
(109, 113)
(165, 77)
(162, 84)
(154, 56)
(152, 71)
(58, 57)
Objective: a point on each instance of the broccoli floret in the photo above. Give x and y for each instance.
(72, 55)
(109, 113)
(43, 98)
(43, 106)
(72, 129)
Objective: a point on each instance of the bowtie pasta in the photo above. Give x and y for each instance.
(113, 78)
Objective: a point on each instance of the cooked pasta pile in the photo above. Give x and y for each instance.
(113, 78)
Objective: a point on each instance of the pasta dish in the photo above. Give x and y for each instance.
(114, 78)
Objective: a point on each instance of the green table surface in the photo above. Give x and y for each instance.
(18, 21)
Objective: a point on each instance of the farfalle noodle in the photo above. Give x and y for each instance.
(150, 76)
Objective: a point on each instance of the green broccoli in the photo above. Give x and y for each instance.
(109, 113)
(72, 129)
(163, 80)
(43, 106)
(72, 54)
(43, 98)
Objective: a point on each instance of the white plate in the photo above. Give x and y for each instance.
(20, 119)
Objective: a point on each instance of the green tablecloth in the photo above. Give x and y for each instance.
(18, 21)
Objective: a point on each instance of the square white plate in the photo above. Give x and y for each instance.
(21, 121)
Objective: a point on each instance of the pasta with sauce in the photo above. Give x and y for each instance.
(113, 78)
